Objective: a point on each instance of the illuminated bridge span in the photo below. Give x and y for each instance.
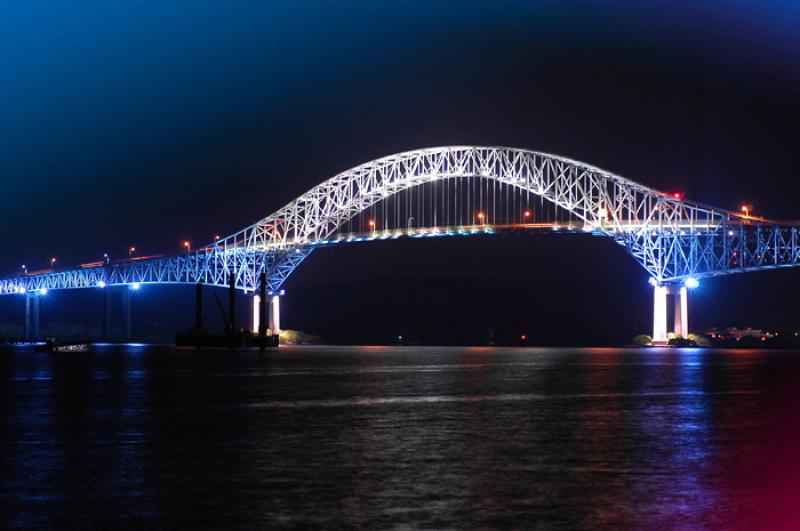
(468, 190)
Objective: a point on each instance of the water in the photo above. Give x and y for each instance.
(392, 437)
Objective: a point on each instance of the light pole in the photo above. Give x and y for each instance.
(131, 250)
(106, 258)
(24, 269)
(52, 263)
(188, 246)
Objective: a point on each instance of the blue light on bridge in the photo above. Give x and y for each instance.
(43, 291)
(135, 286)
(691, 283)
(101, 284)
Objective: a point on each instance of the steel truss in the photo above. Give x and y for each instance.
(671, 238)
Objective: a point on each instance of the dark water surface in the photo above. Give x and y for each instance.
(386, 437)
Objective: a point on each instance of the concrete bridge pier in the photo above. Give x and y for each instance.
(659, 315)
(36, 316)
(680, 321)
(27, 329)
(106, 313)
(275, 314)
(265, 314)
(198, 308)
(681, 318)
(126, 312)
(255, 314)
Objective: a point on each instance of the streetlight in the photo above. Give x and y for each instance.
(372, 225)
(526, 214)
(24, 269)
(107, 259)
(131, 250)
(188, 246)
(481, 216)
(216, 238)
(746, 209)
(52, 263)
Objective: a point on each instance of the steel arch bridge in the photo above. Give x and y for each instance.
(673, 239)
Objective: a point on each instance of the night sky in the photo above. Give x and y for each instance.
(151, 122)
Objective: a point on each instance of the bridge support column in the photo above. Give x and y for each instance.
(36, 317)
(255, 314)
(106, 313)
(231, 305)
(198, 307)
(126, 310)
(681, 321)
(275, 314)
(660, 315)
(262, 311)
(27, 317)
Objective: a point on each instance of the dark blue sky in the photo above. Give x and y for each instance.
(153, 121)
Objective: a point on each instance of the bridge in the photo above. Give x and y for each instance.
(462, 190)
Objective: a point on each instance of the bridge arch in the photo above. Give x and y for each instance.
(594, 195)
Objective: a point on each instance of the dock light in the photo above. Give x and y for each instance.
(691, 283)
(135, 286)
(101, 284)
(43, 291)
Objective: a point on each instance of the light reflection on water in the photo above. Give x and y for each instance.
(380, 437)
